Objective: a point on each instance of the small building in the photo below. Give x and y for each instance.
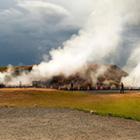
(2, 85)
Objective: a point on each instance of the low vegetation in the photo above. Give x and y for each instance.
(120, 105)
(3, 69)
(16, 68)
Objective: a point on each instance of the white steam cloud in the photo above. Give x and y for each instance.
(99, 41)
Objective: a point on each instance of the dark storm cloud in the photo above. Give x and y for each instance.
(27, 31)
(31, 28)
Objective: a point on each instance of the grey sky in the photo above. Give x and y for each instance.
(30, 28)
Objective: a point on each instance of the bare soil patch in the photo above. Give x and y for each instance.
(63, 124)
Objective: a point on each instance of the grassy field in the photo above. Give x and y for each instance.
(120, 105)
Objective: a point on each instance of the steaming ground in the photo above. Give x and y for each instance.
(64, 124)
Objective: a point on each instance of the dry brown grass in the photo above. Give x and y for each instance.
(122, 105)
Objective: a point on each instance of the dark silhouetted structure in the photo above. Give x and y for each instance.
(2, 86)
(122, 88)
(72, 85)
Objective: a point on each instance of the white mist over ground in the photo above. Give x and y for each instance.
(134, 67)
(99, 41)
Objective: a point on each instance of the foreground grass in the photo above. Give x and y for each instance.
(120, 105)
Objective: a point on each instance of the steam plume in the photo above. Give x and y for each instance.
(100, 41)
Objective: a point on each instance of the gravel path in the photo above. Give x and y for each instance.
(56, 124)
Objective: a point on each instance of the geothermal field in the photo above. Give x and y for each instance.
(69, 107)
(93, 76)
(70, 70)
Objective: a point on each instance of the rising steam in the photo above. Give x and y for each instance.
(102, 40)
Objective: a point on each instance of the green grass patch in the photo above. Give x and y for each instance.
(120, 105)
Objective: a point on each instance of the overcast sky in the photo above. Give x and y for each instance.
(30, 28)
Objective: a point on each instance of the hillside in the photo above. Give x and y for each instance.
(17, 69)
(93, 76)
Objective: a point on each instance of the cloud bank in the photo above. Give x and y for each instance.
(31, 28)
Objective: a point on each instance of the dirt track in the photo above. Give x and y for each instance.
(56, 124)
